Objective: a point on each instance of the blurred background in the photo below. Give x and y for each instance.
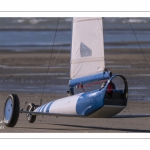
(27, 54)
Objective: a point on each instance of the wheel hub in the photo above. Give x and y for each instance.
(8, 110)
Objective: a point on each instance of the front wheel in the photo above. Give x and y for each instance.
(31, 118)
(11, 110)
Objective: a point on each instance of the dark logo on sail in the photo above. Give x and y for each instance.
(84, 50)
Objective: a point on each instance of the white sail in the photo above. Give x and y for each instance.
(87, 53)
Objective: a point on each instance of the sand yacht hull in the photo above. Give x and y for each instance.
(95, 103)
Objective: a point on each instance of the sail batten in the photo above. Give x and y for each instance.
(87, 53)
(87, 60)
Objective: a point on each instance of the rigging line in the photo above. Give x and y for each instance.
(49, 61)
(56, 57)
(139, 44)
(57, 53)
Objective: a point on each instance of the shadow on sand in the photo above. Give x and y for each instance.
(86, 128)
(106, 128)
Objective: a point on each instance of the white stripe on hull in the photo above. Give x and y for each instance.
(41, 108)
(65, 105)
(45, 107)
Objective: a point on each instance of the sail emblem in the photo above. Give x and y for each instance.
(84, 50)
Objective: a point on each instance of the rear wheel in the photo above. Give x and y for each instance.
(11, 110)
(31, 118)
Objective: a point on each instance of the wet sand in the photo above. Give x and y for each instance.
(24, 74)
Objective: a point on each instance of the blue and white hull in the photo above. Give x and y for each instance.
(84, 104)
(65, 105)
(80, 104)
(89, 104)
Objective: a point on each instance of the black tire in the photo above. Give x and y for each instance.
(11, 110)
(31, 118)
